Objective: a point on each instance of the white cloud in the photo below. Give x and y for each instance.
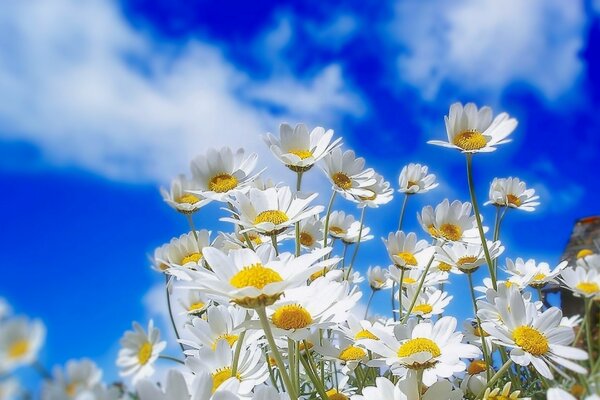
(484, 45)
(93, 92)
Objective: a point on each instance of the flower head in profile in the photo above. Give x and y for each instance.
(380, 193)
(467, 257)
(179, 198)
(219, 173)
(139, 351)
(78, 379)
(428, 303)
(186, 250)
(378, 278)
(222, 323)
(194, 303)
(347, 173)
(534, 274)
(513, 193)
(450, 221)
(473, 130)
(581, 282)
(20, 342)
(311, 233)
(298, 149)
(415, 178)
(406, 251)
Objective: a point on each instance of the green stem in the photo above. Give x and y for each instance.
(357, 245)
(275, 245)
(174, 359)
(402, 210)
(402, 271)
(495, 378)
(486, 251)
(297, 227)
(588, 331)
(369, 303)
(326, 228)
(248, 241)
(171, 313)
(486, 355)
(414, 299)
(314, 379)
(238, 351)
(393, 301)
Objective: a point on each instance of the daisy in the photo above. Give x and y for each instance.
(20, 342)
(160, 258)
(532, 273)
(347, 173)
(186, 250)
(298, 149)
(406, 252)
(467, 257)
(513, 193)
(222, 324)
(581, 282)
(340, 223)
(194, 303)
(357, 330)
(412, 277)
(472, 130)
(434, 348)
(343, 350)
(378, 278)
(255, 279)
(504, 394)
(357, 233)
(139, 351)
(474, 334)
(534, 338)
(380, 193)
(180, 199)
(311, 233)
(475, 379)
(414, 179)
(407, 389)
(220, 172)
(271, 211)
(78, 378)
(449, 221)
(428, 303)
(175, 388)
(252, 369)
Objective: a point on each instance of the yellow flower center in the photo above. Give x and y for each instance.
(409, 184)
(365, 334)
(408, 258)
(466, 260)
(318, 274)
(335, 230)
(371, 197)
(531, 340)
(588, 287)
(514, 200)
(476, 367)
(291, 316)
(188, 199)
(333, 394)
(352, 353)
(408, 280)
(220, 376)
(222, 183)
(306, 239)
(444, 267)
(470, 140)
(341, 180)
(539, 276)
(273, 216)
(194, 257)
(18, 349)
(144, 353)
(419, 345)
(450, 232)
(196, 306)
(303, 154)
(255, 276)
(71, 389)
(508, 284)
(479, 332)
(422, 308)
(231, 339)
(308, 346)
(584, 253)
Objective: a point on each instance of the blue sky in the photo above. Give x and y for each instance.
(103, 102)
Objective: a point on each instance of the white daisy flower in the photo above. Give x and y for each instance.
(255, 279)
(406, 252)
(512, 192)
(561, 394)
(583, 283)
(378, 278)
(222, 323)
(428, 303)
(194, 303)
(261, 183)
(20, 342)
(179, 198)
(476, 335)
(175, 388)
(407, 389)
(588, 259)
(9, 389)
(434, 348)
(414, 179)
(534, 338)
(534, 274)
(412, 277)
(467, 257)
(361, 329)
(139, 351)
(298, 149)
(571, 322)
(340, 223)
(345, 351)
(347, 173)
(220, 172)
(311, 233)
(450, 221)
(475, 379)
(355, 232)
(472, 130)
(186, 251)
(271, 211)
(380, 193)
(78, 379)
(160, 258)
(252, 369)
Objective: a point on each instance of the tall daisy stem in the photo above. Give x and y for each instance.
(314, 378)
(238, 351)
(402, 272)
(297, 227)
(393, 301)
(486, 355)
(419, 288)
(402, 211)
(588, 331)
(326, 228)
(369, 303)
(357, 245)
(262, 315)
(275, 245)
(486, 251)
(171, 313)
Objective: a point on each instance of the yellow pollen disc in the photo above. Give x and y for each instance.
(577, 390)
(365, 334)
(466, 260)
(419, 345)
(291, 316)
(333, 394)
(531, 340)
(433, 231)
(222, 183)
(303, 154)
(196, 306)
(352, 353)
(539, 276)
(335, 230)
(409, 184)
(514, 200)
(450, 232)
(231, 339)
(479, 332)
(408, 258)
(71, 389)
(508, 284)
(194, 257)
(306, 239)
(341, 180)
(220, 376)
(318, 274)
(144, 353)
(273, 216)
(18, 349)
(584, 253)
(422, 308)
(188, 199)
(256, 276)
(444, 267)
(588, 287)
(470, 140)
(476, 367)
(371, 197)
(408, 281)
(301, 346)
